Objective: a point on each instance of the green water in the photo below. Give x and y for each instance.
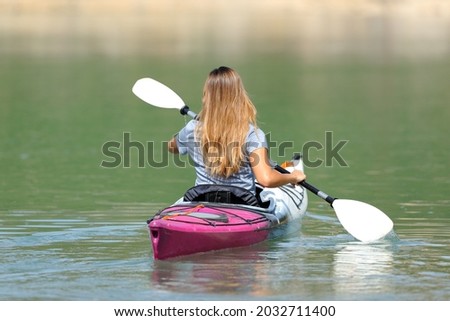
(71, 229)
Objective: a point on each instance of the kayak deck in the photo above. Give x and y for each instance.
(190, 228)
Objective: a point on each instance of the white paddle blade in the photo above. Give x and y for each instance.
(364, 221)
(157, 94)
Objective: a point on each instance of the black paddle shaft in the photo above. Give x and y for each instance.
(185, 111)
(309, 187)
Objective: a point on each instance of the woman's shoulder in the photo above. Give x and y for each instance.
(255, 133)
(191, 125)
(254, 130)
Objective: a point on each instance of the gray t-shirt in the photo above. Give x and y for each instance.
(188, 144)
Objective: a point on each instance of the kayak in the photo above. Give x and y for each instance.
(215, 217)
(363, 221)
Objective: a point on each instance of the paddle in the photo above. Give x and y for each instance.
(363, 221)
(155, 93)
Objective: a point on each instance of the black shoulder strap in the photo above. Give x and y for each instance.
(220, 193)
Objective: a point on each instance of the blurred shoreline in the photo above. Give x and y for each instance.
(311, 29)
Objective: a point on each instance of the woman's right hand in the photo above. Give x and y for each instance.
(297, 176)
(268, 176)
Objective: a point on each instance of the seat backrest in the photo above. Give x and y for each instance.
(220, 194)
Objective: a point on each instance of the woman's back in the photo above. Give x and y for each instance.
(225, 143)
(188, 143)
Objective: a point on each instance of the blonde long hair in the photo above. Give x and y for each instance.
(224, 121)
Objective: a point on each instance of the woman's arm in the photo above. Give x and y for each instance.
(172, 146)
(268, 176)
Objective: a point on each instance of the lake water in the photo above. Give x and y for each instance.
(73, 230)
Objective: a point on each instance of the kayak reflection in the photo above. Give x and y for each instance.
(239, 270)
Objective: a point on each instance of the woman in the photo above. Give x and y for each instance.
(225, 142)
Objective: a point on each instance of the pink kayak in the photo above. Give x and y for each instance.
(191, 228)
(200, 225)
